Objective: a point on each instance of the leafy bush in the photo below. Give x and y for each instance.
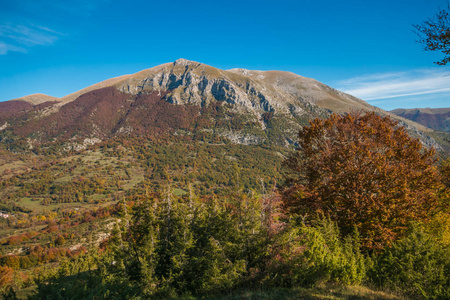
(78, 278)
(417, 265)
(317, 254)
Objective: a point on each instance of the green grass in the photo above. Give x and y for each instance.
(179, 192)
(12, 166)
(64, 179)
(325, 292)
(36, 206)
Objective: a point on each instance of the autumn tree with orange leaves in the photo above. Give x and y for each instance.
(363, 171)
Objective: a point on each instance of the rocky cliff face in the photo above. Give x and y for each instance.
(250, 107)
(251, 91)
(198, 84)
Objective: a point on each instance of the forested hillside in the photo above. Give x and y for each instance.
(185, 181)
(358, 203)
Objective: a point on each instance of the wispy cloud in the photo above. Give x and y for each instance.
(396, 85)
(21, 22)
(5, 48)
(20, 37)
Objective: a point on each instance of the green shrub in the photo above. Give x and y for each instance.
(77, 278)
(317, 254)
(416, 265)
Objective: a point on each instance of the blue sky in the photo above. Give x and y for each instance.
(366, 48)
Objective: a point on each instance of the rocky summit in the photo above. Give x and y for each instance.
(183, 97)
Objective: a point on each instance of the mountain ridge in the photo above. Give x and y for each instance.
(120, 81)
(36, 99)
(242, 105)
(435, 118)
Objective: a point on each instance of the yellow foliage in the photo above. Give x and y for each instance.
(439, 227)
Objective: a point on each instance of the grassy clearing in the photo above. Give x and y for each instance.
(116, 174)
(12, 166)
(328, 292)
(136, 176)
(36, 206)
(179, 192)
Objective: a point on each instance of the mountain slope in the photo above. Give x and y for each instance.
(435, 118)
(248, 107)
(185, 129)
(36, 99)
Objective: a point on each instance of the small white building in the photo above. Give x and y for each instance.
(4, 215)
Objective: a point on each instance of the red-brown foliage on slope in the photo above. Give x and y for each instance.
(107, 112)
(9, 109)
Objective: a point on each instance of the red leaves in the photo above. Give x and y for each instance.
(6, 276)
(363, 171)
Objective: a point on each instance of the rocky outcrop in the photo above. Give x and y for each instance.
(247, 107)
(198, 84)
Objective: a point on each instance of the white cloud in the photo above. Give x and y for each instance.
(400, 84)
(19, 32)
(5, 48)
(19, 37)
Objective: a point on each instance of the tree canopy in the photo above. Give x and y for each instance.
(434, 34)
(363, 171)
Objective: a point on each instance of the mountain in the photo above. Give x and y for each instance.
(184, 98)
(435, 118)
(36, 99)
(203, 146)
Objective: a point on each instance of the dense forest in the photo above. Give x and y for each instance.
(357, 203)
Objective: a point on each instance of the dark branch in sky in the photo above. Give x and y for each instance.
(434, 34)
